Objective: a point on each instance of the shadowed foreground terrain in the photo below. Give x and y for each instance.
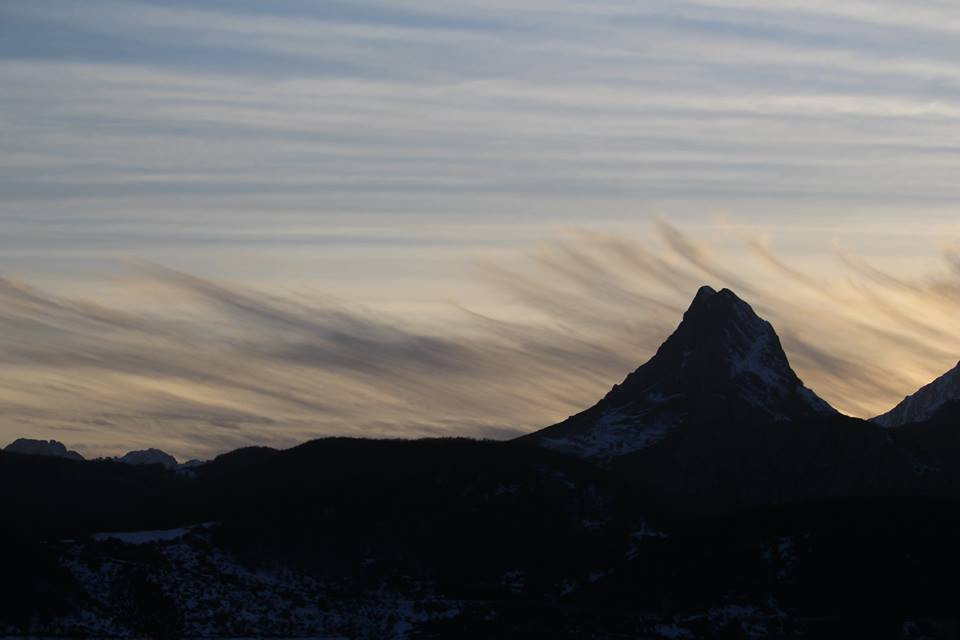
(454, 538)
(710, 495)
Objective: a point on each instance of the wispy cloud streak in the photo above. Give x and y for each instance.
(370, 149)
(218, 365)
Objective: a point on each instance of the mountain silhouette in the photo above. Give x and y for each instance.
(709, 494)
(149, 456)
(723, 363)
(924, 403)
(31, 447)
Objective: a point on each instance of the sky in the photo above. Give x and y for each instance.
(230, 223)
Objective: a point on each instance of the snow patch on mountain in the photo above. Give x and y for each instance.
(763, 361)
(925, 402)
(615, 433)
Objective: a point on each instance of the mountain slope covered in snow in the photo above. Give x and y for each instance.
(923, 403)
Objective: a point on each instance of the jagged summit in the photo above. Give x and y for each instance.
(29, 446)
(722, 363)
(704, 293)
(924, 403)
(723, 346)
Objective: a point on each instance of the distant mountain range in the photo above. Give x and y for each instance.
(710, 494)
(56, 449)
(722, 364)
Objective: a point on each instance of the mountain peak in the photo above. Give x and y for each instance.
(29, 446)
(718, 304)
(923, 403)
(722, 363)
(703, 293)
(149, 456)
(721, 337)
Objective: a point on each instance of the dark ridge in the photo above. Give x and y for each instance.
(723, 365)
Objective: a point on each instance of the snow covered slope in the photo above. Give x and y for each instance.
(922, 404)
(722, 363)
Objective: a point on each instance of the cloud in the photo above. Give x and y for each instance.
(371, 148)
(669, 101)
(218, 365)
